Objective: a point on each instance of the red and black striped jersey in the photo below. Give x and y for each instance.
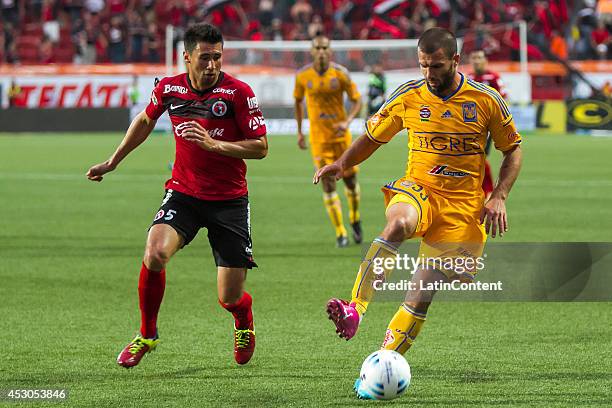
(229, 111)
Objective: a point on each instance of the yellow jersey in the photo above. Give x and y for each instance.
(325, 100)
(446, 136)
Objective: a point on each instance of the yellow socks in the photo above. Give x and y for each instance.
(372, 265)
(403, 329)
(353, 197)
(334, 210)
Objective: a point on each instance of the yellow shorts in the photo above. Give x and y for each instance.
(327, 153)
(449, 227)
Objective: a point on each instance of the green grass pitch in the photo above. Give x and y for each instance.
(71, 252)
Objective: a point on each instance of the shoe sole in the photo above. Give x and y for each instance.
(335, 313)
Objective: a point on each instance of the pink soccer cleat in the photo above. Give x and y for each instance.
(344, 316)
(131, 355)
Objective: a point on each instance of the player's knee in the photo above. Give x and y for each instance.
(329, 186)
(156, 257)
(229, 297)
(398, 229)
(419, 306)
(350, 182)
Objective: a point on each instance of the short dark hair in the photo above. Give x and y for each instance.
(436, 38)
(319, 36)
(202, 32)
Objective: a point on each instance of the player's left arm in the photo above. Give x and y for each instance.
(249, 121)
(355, 97)
(507, 139)
(494, 213)
(256, 148)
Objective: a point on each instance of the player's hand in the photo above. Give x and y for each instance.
(331, 170)
(301, 141)
(196, 133)
(341, 127)
(96, 172)
(493, 215)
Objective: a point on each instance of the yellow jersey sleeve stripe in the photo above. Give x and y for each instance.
(402, 86)
(404, 89)
(510, 146)
(372, 138)
(494, 94)
(500, 101)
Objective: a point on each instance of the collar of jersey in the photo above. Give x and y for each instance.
(446, 98)
(322, 73)
(207, 89)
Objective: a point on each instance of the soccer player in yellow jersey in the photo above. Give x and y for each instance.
(440, 198)
(324, 84)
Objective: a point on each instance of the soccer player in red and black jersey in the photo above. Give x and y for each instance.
(481, 73)
(217, 123)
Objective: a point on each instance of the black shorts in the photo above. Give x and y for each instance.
(228, 223)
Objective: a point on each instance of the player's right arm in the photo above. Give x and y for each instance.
(359, 151)
(507, 140)
(140, 128)
(298, 94)
(380, 129)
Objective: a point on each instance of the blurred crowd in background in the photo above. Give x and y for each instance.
(119, 31)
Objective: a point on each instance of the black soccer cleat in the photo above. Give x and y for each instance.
(342, 241)
(357, 233)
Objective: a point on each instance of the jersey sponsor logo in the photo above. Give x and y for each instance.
(256, 122)
(154, 99)
(440, 170)
(447, 114)
(219, 108)
(309, 84)
(175, 88)
(324, 115)
(216, 132)
(425, 113)
(252, 103)
(469, 112)
(334, 83)
(514, 136)
(375, 119)
(224, 91)
(442, 143)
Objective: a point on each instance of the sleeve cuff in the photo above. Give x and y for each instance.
(372, 138)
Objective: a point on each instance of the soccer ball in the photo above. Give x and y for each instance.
(385, 375)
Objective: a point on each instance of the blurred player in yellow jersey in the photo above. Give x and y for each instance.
(324, 84)
(440, 198)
